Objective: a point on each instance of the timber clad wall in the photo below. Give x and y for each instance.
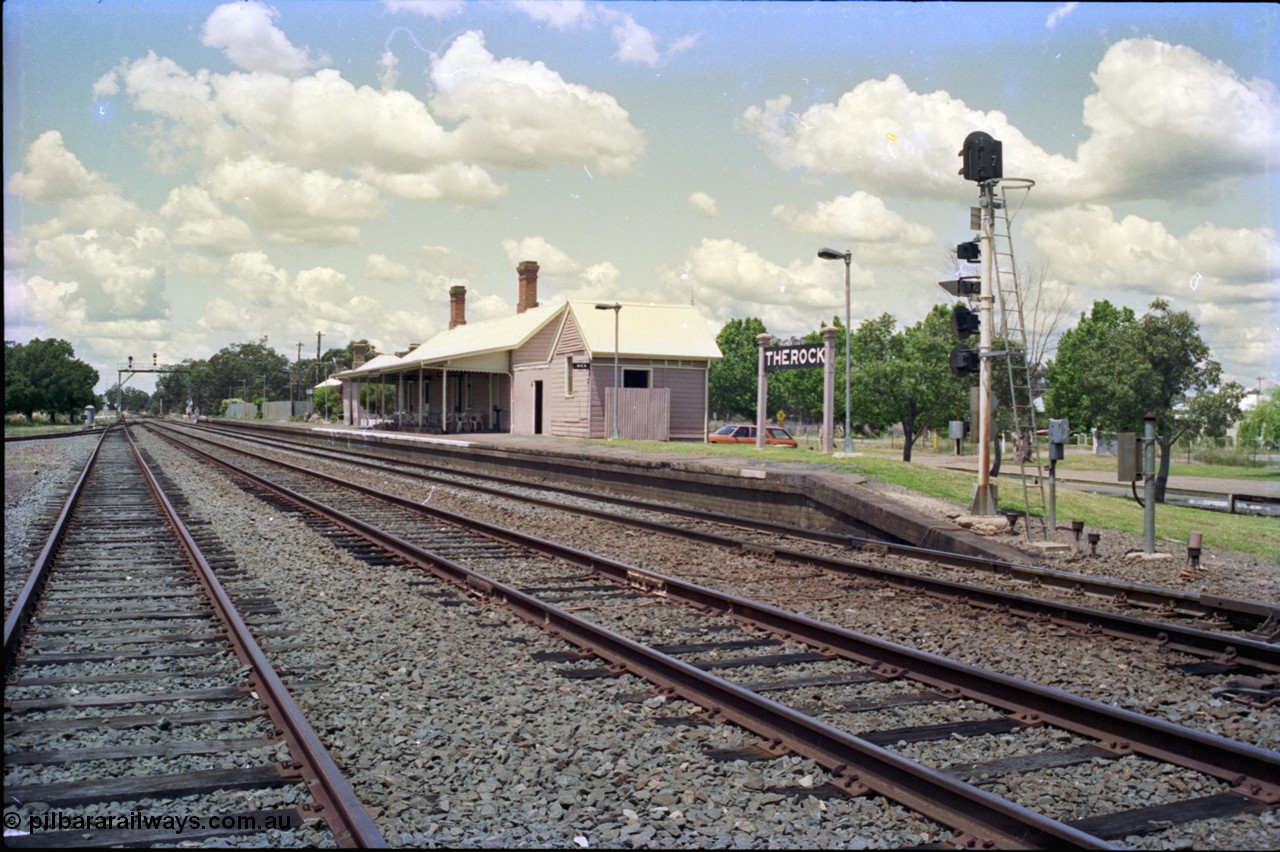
(538, 347)
(688, 399)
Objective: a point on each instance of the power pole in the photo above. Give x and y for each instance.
(319, 334)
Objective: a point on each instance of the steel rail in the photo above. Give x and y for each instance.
(981, 819)
(23, 606)
(336, 803)
(1251, 771)
(1247, 614)
(1218, 647)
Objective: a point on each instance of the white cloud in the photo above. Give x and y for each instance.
(732, 280)
(893, 140)
(560, 14)
(635, 43)
(436, 9)
(1142, 143)
(522, 114)
(381, 267)
(245, 32)
(291, 205)
(704, 204)
(1147, 144)
(54, 174)
(1059, 13)
(116, 276)
(1089, 247)
(559, 275)
(1226, 278)
(195, 219)
(859, 218)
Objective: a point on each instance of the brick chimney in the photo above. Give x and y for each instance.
(457, 306)
(528, 272)
(358, 349)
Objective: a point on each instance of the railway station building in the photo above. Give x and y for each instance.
(548, 370)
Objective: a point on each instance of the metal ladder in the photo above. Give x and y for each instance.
(1012, 330)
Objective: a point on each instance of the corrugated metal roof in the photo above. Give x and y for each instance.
(497, 335)
(677, 332)
(647, 331)
(373, 365)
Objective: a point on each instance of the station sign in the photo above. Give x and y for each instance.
(794, 357)
(582, 365)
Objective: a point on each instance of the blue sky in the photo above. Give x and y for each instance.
(180, 176)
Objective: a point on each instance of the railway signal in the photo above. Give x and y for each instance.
(964, 361)
(963, 286)
(964, 322)
(983, 157)
(982, 161)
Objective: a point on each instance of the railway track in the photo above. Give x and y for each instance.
(635, 613)
(1208, 635)
(139, 708)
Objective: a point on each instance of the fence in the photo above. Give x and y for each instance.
(278, 410)
(644, 414)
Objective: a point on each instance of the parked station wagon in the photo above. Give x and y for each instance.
(775, 436)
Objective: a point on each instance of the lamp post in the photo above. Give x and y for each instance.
(617, 311)
(847, 257)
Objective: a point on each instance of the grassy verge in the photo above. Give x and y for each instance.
(41, 428)
(1249, 534)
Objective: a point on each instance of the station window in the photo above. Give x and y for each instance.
(635, 378)
(568, 375)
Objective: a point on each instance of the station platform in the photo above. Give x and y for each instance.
(797, 491)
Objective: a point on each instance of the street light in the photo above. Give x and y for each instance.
(847, 257)
(617, 311)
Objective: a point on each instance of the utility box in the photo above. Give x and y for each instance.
(1128, 456)
(1059, 431)
(955, 429)
(1059, 434)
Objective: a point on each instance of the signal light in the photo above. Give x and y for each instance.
(983, 157)
(964, 361)
(965, 285)
(130, 362)
(964, 322)
(969, 251)
(155, 359)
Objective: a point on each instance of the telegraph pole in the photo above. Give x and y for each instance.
(984, 502)
(984, 165)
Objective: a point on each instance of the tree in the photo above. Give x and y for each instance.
(1121, 368)
(1260, 427)
(45, 375)
(134, 399)
(905, 377)
(1074, 392)
(731, 381)
(327, 401)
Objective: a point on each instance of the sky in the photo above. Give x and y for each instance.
(180, 176)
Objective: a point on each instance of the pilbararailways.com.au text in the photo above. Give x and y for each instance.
(137, 821)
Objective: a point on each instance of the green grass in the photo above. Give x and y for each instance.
(1176, 468)
(1257, 536)
(39, 428)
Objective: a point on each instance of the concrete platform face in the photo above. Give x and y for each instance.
(791, 492)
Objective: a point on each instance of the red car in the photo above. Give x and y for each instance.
(775, 436)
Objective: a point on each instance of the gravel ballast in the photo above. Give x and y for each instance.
(453, 737)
